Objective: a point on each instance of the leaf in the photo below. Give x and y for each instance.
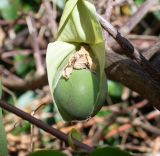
(3, 142)
(26, 99)
(103, 113)
(99, 53)
(79, 24)
(23, 128)
(74, 134)
(59, 3)
(139, 2)
(126, 10)
(70, 4)
(23, 64)
(157, 15)
(57, 53)
(114, 89)
(47, 153)
(109, 151)
(9, 9)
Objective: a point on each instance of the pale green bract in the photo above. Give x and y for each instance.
(78, 25)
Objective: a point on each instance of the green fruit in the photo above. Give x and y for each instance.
(76, 97)
(80, 44)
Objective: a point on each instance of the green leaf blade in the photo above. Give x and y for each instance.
(81, 26)
(57, 54)
(8, 9)
(3, 141)
(47, 153)
(74, 134)
(109, 151)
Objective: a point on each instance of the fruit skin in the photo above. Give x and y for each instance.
(76, 97)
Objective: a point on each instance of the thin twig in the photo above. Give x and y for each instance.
(33, 113)
(11, 93)
(60, 135)
(11, 22)
(129, 50)
(51, 15)
(152, 50)
(142, 37)
(119, 2)
(6, 54)
(109, 8)
(107, 16)
(35, 45)
(36, 81)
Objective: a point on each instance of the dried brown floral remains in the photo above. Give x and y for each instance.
(79, 60)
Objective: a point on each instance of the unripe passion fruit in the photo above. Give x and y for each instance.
(76, 96)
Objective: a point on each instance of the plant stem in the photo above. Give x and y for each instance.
(60, 135)
(129, 50)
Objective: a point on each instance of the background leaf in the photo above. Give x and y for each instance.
(3, 142)
(74, 134)
(47, 153)
(9, 9)
(25, 99)
(114, 88)
(139, 2)
(109, 151)
(23, 65)
(59, 3)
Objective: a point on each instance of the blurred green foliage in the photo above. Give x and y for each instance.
(23, 64)
(157, 15)
(59, 3)
(47, 153)
(74, 134)
(103, 113)
(24, 127)
(9, 9)
(0, 89)
(3, 141)
(114, 89)
(139, 2)
(110, 151)
(25, 99)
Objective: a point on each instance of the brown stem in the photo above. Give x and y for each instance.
(51, 15)
(35, 45)
(129, 50)
(109, 8)
(60, 135)
(107, 16)
(129, 73)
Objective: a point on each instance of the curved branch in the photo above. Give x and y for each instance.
(132, 75)
(15, 83)
(60, 135)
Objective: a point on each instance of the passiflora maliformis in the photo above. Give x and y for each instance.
(75, 63)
